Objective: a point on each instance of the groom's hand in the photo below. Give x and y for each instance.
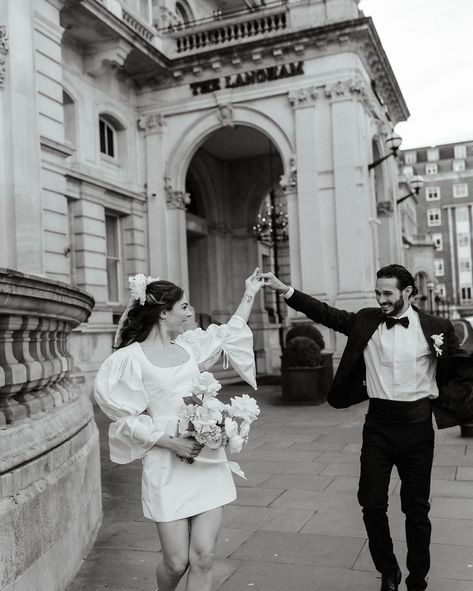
(270, 280)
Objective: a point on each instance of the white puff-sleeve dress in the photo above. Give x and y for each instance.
(144, 401)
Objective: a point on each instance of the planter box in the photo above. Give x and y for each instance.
(304, 385)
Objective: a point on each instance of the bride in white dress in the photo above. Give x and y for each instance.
(140, 387)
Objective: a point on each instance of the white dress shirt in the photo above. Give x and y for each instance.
(399, 363)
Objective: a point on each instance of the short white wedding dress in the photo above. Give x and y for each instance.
(144, 401)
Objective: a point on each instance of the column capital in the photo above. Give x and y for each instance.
(3, 52)
(303, 97)
(154, 123)
(175, 199)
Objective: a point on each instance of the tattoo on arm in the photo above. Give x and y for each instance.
(248, 298)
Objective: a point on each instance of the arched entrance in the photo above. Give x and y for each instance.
(229, 180)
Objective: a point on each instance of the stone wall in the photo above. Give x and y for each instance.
(50, 495)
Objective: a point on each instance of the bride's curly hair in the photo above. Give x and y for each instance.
(160, 296)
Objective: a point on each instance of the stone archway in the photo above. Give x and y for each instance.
(228, 178)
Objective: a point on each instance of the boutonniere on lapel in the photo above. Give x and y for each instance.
(438, 342)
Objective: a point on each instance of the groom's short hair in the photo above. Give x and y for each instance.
(404, 278)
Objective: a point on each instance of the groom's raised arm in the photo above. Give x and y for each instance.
(339, 320)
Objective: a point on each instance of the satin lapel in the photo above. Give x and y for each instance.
(359, 339)
(427, 324)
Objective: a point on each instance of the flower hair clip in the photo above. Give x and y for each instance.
(137, 284)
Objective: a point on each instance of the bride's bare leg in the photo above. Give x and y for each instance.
(174, 537)
(204, 533)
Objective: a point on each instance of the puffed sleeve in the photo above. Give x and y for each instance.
(119, 392)
(234, 339)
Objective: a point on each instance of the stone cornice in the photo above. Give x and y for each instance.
(112, 188)
(154, 123)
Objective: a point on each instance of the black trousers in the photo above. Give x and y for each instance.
(410, 448)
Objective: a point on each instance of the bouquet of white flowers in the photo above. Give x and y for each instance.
(213, 423)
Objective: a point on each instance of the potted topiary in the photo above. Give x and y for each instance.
(308, 329)
(302, 372)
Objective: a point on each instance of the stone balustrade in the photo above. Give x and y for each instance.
(36, 315)
(221, 33)
(50, 494)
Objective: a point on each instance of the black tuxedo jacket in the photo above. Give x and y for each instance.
(454, 367)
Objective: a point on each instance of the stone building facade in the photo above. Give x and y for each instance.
(445, 213)
(154, 131)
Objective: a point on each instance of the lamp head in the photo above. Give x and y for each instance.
(393, 142)
(416, 184)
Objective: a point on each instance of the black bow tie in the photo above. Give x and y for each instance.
(390, 321)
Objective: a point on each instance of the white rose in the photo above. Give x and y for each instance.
(245, 408)
(235, 444)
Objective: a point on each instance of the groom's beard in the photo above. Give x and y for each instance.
(396, 307)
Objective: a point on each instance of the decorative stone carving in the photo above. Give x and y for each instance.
(3, 52)
(225, 115)
(303, 97)
(106, 56)
(288, 181)
(156, 122)
(175, 199)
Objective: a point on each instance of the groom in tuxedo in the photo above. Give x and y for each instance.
(399, 357)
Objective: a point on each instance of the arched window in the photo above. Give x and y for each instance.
(108, 138)
(183, 13)
(111, 137)
(69, 118)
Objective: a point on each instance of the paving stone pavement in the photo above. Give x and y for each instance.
(296, 525)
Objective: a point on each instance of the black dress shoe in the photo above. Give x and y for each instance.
(390, 582)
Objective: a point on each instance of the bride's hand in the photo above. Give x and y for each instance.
(254, 282)
(186, 447)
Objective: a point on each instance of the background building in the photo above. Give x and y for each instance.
(445, 214)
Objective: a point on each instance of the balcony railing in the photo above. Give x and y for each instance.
(242, 27)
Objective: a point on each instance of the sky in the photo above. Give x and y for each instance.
(429, 44)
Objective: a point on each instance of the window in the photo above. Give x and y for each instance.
(458, 165)
(466, 294)
(460, 152)
(464, 265)
(431, 168)
(432, 154)
(460, 190)
(69, 118)
(408, 171)
(434, 217)
(463, 239)
(437, 239)
(112, 234)
(108, 138)
(439, 270)
(432, 193)
(410, 157)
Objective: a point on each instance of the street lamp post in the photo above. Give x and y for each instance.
(430, 286)
(271, 228)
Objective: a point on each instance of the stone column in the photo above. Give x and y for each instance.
(21, 235)
(305, 218)
(154, 127)
(176, 202)
(355, 258)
